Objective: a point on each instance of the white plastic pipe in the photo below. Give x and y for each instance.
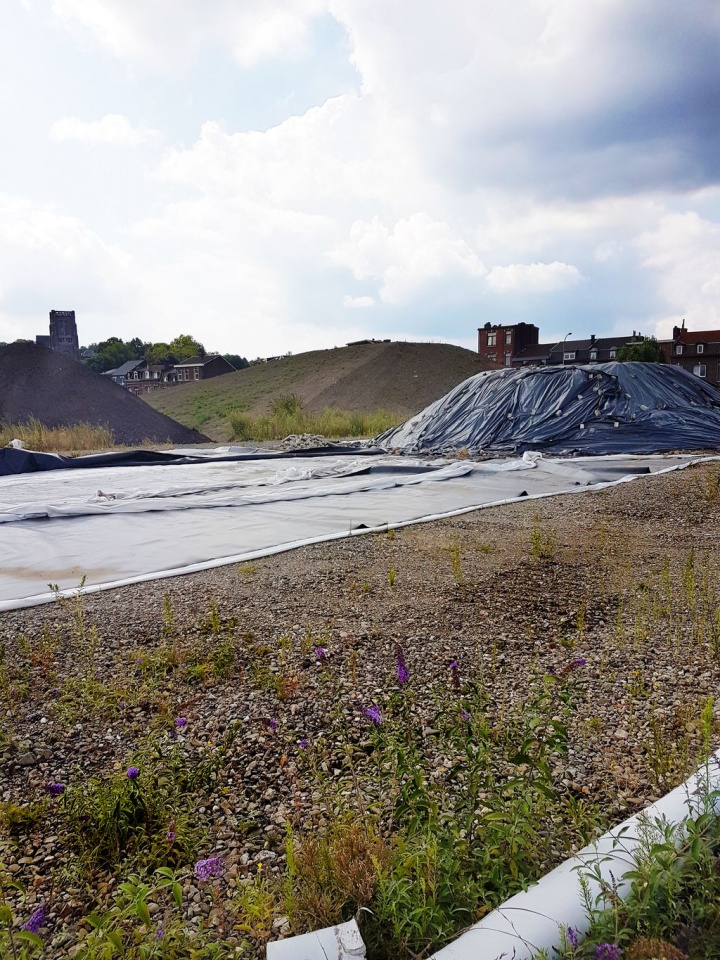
(532, 920)
(342, 942)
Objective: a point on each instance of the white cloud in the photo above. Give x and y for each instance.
(358, 303)
(172, 33)
(537, 137)
(113, 128)
(406, 259)
(533, 277)
(684, 253)
(55, 261)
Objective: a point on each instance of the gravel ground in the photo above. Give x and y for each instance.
(508, 592)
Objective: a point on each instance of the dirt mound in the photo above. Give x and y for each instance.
(58, 391)
(400, 377)
(390, 376)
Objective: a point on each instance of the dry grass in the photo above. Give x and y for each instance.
(36, 436)
(289, 416)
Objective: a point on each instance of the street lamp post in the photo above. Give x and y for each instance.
(564, 339)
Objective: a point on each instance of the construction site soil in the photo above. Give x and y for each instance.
(59, 392)
(399, 377)
(614, 582)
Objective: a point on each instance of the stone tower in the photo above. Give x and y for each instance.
(63, 333)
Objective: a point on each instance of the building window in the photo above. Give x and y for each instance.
(508, 359)
(593, 355)
(678, 349)
(508, 336)
(613, 353)
(196, 371)
(568, 356)
(701, 348)
(492, 339)
(699, 370)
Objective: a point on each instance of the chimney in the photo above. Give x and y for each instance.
(592, 338)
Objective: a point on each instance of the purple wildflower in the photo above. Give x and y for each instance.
(159, 932)
(403, 674)
(181, 722)
(122, 704)
(608, 951)
(132, 773)
(271, 723)
(455, 674)
(573, 937)
(170, 836)
(55, 789)
(36, 921)
(373, 713)
(304, 743)
(320, 652)
(464, 715)
(579, 662)
(206, 869)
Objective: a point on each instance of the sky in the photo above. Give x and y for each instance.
(286, 175)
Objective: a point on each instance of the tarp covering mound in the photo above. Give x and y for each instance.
(595, 410)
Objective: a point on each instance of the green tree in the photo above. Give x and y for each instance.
(111, 353)
(184, 346)
(160, 353)
(647, 350)
(236, 360)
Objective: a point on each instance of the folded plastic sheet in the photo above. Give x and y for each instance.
(111, 526)
(17, 460)
(602, 409)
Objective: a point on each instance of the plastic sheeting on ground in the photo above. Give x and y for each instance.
(533, 920)
(601, 409)
(124, 525)
(15, 459)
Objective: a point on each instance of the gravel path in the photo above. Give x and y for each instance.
(626, 579)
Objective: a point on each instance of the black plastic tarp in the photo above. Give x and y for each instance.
(595, 410)
(13, 461)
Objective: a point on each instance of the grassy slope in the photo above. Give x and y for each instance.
(401, 377)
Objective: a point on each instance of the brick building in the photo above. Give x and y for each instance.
(697, 352)
(499, 344)
(202, 368)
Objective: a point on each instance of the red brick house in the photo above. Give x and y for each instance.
(146, 377)
(697, 352)
(500, 344)
(202, 368)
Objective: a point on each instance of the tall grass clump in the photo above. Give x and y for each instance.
(475, 815)
(671, 909)
(36, 436)
(289, 416)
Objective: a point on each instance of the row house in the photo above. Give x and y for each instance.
(499, 343)
(141, 377)
(517, 345)
(590, 350)
(202, 368)
(698, 352)
(147, 377)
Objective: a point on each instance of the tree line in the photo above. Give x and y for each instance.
(113, 352)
